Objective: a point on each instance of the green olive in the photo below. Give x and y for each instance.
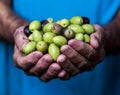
(86, 38)
(50, 20)
(48, 27)
(79, 36)
(53, 51)
(37, 35)
(48, 37)
(76, 20)
(76, 28)
(60, 40)
(34, 25)
(64, 22)
(89, 29)
(30, 37)
(42, 46)
(29, 47)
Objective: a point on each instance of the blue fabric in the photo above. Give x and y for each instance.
(103, 80)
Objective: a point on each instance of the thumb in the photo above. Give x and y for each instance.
(97, 38)
(25, 61)
(20, 38)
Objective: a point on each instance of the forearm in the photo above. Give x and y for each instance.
(7, 2)
(112, 35)
(9, 21)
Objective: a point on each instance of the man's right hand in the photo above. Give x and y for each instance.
(79, 56)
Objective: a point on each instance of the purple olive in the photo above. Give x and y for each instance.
(27, 32)
(68, 33)
(43, 22)
(86, 20)
(56, 28)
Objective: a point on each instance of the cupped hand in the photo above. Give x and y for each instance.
(79, 56)
(36, 63)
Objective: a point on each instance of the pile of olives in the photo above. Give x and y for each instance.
(48, 35)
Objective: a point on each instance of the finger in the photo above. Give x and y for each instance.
(90, 66)
(20, 38)
(97, 38)
(64, 62)
(100, 57)
(79, 61)
(16, 54)
(63, 75)
(42, 65)
(51, 73)
(72, 55)
(26, 62)
(84, 66)
(84, 49)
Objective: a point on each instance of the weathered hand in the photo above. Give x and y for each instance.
(78, 56)
(34, 63)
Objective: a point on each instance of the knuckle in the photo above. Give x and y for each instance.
(54, 68)
(38, 70)
(46, 77)
(66, 77)
(82, 66)
(79, 46)
(64, 48)
(17, 62)
(61, 58)
(34, 57)
(92, 55)
(46, 58)
(42, 65)
(18, 31)
(62, 74)
(24, 63)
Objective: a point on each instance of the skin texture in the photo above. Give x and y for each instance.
(76, 57)
(7, 2)
(82, 56)
(9, 21)
(34, 63)
(112, 35)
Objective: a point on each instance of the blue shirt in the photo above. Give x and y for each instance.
(103, 80)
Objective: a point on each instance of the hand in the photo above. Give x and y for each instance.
(78, 56)
(35, 63)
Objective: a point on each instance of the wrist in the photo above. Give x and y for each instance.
(9, 21)
(112, 35)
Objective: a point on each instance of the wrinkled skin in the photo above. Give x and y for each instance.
(7, 2)
(81, 56)
(76, 57)
(34, 63)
